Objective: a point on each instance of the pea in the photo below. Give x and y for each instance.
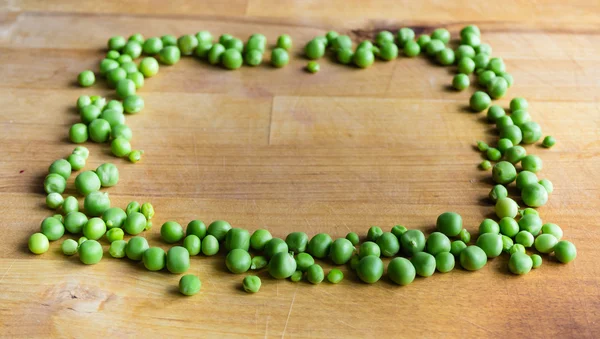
(170, 55)
(423, 40)
(545, 243)
(258, 262)
(193, 244)
(473, 258)
(171, 232)
(497, 87)
(189, 285)
(259, 239)
(353, 237)
(279, 57)
(116, 43)
(238, 261)
(204, 36)
(498, 192)
(354, 261)
(114, 234)
(363, 58)
(219, 229)
(94, 229)
(547, 185)
(282, 265)
(524, 238)
(78, 133)
(297, 242)
(117, 249)
(437, 243)
(424, 264)
(434, 46)
(449, 223)
(518, 104)
(74, 222)
(370, 269)
(232, 59)
(237, 238)
(304, 261)
(520, 263)
(461, 81)
(90, 252)
(335, 276)
(531, 223)
(398, 230)
(154, 259)
(481, 60)
(549, 141)
(187, 44)
(38, 243)
(197, 228)
(491, 244)
(404, 36)
(446, 56)
(526, 178)
(517, 248)
(331, 36)
(412, 49)
(565, 251)
(493, 154)
(69, 247)
(369, 248)
(456, 247)
(534, 195)
(504, 172)
(531, 163)
(374, 233)
(532, 132)
(54, 200)
(519, 117)
(401, 271)
(254, 57)
(342, 42)
(388, 51)
(341, 251)
(494, 113)
(152, 46)
(506, 207)
(210, 245)
(509, 226)
(553, 229)
(503, 122)
(168, 40)
(135, 223)
(489, 226)
(412, 241)
(388, 243)
(135, 156)
(315, 274)
(444, 262)
(319, 245)
(536, 261)
(515, 154)
(251, 284)
(178, 260)
(296, 276)
(54, 183)
(465, 236)
(121, 131)
(486, 77)
(344, 56)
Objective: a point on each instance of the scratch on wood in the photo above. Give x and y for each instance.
(289, 313)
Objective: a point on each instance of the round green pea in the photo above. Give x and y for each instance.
(90, 252)
(178, 260)
(135, 223)
(401, 271)
(94, 229)
(515, 154)
(531, 131)
(565, 251)
(171, 232)
(304, 261)
(353, 237)
(114, 217)
(504, 172)
(210, 245)
(465, 51)
(61, 167)
(473, 258)
(315, 274)
(170, 55)
(96, 203)
(251, 284)
(232, 59)
(506, 207)
(344, 56)
(405, 35)
(149, 67)
(549, 141)
(52, 228)
(412, 49)
(274, 246)
(259, 239)
(434, 46)
(254, 57)
(114, 234)
(74, 222)
(456, 247)
(69, 247)
(545, 243)
(553, 229)
(524, 238)
(494, 113)
(133, 104)
(121, 131)
(38, 243)
(77, 162)
(197, 228)
(388, 51)
(99, 130)
(187, 44)
(238, 238)
(117, 249)
(341, 250)
(86, 78)
(214, 54)
(108, 174)
(335, 276)
(54, 200)
(370, 269)
(479, 101)
(497, 87)
(363, 58)
(526, 178)
(319, 245)
(498, 192)
(282, 265)
(398, 230)
(491, 244)
(297, 241)
(189, 285)
(489, 226)
(444, 262)
(509, 226)
(54, 183)
(154, 259)
(412, 241)
(437, 243)
(369, 248)
(388, 243)
(534, 195)
(449, 223)
(446, 56)
(284, 41)
(461, 82)
(424, 264)
(238, 261)
(520, 263)
(78, 133)
(136, 247)
(219, 229)
(504, 145)
(279, 57)
(152, 46)
(258, 262)
(536, 261)
(193, 244)
(518, 104)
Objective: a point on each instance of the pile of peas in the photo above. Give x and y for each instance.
(411, 252)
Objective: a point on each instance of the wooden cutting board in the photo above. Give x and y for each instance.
(282, 149)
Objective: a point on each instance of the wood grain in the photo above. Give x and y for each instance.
(334, 152)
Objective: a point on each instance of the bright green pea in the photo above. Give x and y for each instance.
(297, 241)
(215, 52)
(374, 233)
(192, 244)
(258, 262)
(124, 58)
(232, 59)
(99, 130)
(189, 285)
(74, 222)
(388, 51)
(168, 40)
(251, 284)
(504, 172)
(331, 36)
(534, 195)
(55, 183)
(86, 78)
(117, 249)
(90, 252)
(404, 36)
(121, 131)
(344, 56)
(444, 262)
(524, 238)
(54, 200)
(284, 41)
(341, 250)
(553, 229)
(465, 51)
(445, 56)
(304, 261)
(38, 243)
(466, 66)
(279, 57)
(388, 243)
(70, 204)
(461, 82)
(353, 237)
(238, 261)
(133, 104)
(370, 269)
(152, 46)
(412, 48)
(187, 44)
(129, 67)
(504, 145)
(178, 260)
(369, 248)
(423, 40)
(498, 192)
(282, 265)
(239, 238)
(210, 245)
(531, 131)
(171, 232)
(494, 113)
(515, 154)
(335, 276)
(526, 178)
(137, 78)
(274, 246)
(342, 42)
(363, 58)
(204, 48)
(473, 258)
(497, 87)
(489, 226)
(315, 274)
(82, 101)
(77, 162)
(108, 174)
(413, 241)
(149, 67)
(135, 156)
(479, 101)
(397, 230)
(449, 223)
(545, 243)
(116, 43)
(509, 226)
(549, 141)
(319, 245)
(491, 244)
(96, 203)
(481, 60)
(133, 206)
(401, 271)
(465, 236)
(531, 223)
(114, 234)
(520, 263)
(135, 223)
(434, 46)
(506, 207)
(493, 154)
(120, 147)
(456, 247)
(90, 113)
(536, 261)
(154, 259)
(437, 243)
(259, 239)
(520, 116)
(94, 229)
(170, 55)
(87, 182)
(52, 228)
(518, 104)
(115, 75)
(485, 165)
(532, 163)
(254, 57)
(219, 229)
(69, 247)
(565, 251)
(194, 227)
(204, 36)
(503, 121)
(424, 264)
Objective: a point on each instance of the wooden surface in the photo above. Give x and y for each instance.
(333, 152)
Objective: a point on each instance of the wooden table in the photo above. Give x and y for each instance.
(334, 152)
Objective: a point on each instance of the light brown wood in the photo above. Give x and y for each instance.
(334, 152)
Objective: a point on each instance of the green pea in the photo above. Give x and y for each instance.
(342, 42)
(363, 58)
(232, 59)
(424, 264)
(446, 56)
(210, 245)
(170, 55)
(214, 55)
(114, 234)
(412, 241)
(258, 262)
(94, 229)
(189, 285)
(99, 130)
(480, 101)
(152, 46)
(282, 265)
(465, 51)
(238, 261)
(284, 41)
(135, 156)
(335, 276)
(61, 167)
(168, 40)
(484, 48)
(187, 44)
(388, 243)
(526, 178)
(491, 244)
(135, 223)
(259, 239)
(197, 228)
(274, 246)
(517, 248)
(149, 67)
(147, 210)
(404, 36)
(193, 244)
(124, 58)
(341, 250)
(224, 37)
(344, 56)
(473, 258)
(470, 39)
(553, 229)
(423, 40)
(54, 183)
(497, 87)
(370, 269)
(524, 238)
(296, 276)
(412, 49)
(251, 284)
(486, 77)
(518, 104)
(254, 57)
(108, 174)
(297, 241)
(133, 206)
(319, 245)
(532, 163)
(38, 243)
(434, 46)
(482, 146)
(531, 223)
(78, 133)
(116, 43)
(489, 226)
(52, 228)
(481, 60)
(549, 141)
(204, 48)
(534, 195)
(304, 261)
(545, 243)
(219, 229)
(86, 78)
(238, 238)
(331, 36)
(456, 247)
(465, 236)
(96, 203)
(461, 82)
(507, 243)
(114, 76)
(388, 51)
(509, 226)
(493, 154)
(204, 36)
(444, 262)
(369, 248)
(520, 263)
(398, 230)
(353, 237)
(536, 261)
(437, 243)
(136, 247)
(279, 57)
(515, 154)
(90, 252)
(154, 259)
(504, 145)
(315, 274)
(117, 248)
(494, 113)
(121, 131)
(503, 122)
(69, 247)
(84, 101)
(76, 161)
(74, 222)
(506, 207)
(374, 233)
(401, 271)
(531, 131)
(565, 251)
(171, 232)
(54, 200)
(485, 165)
(133, 104)
(449, 223)
(504, 172)
(178, 260)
